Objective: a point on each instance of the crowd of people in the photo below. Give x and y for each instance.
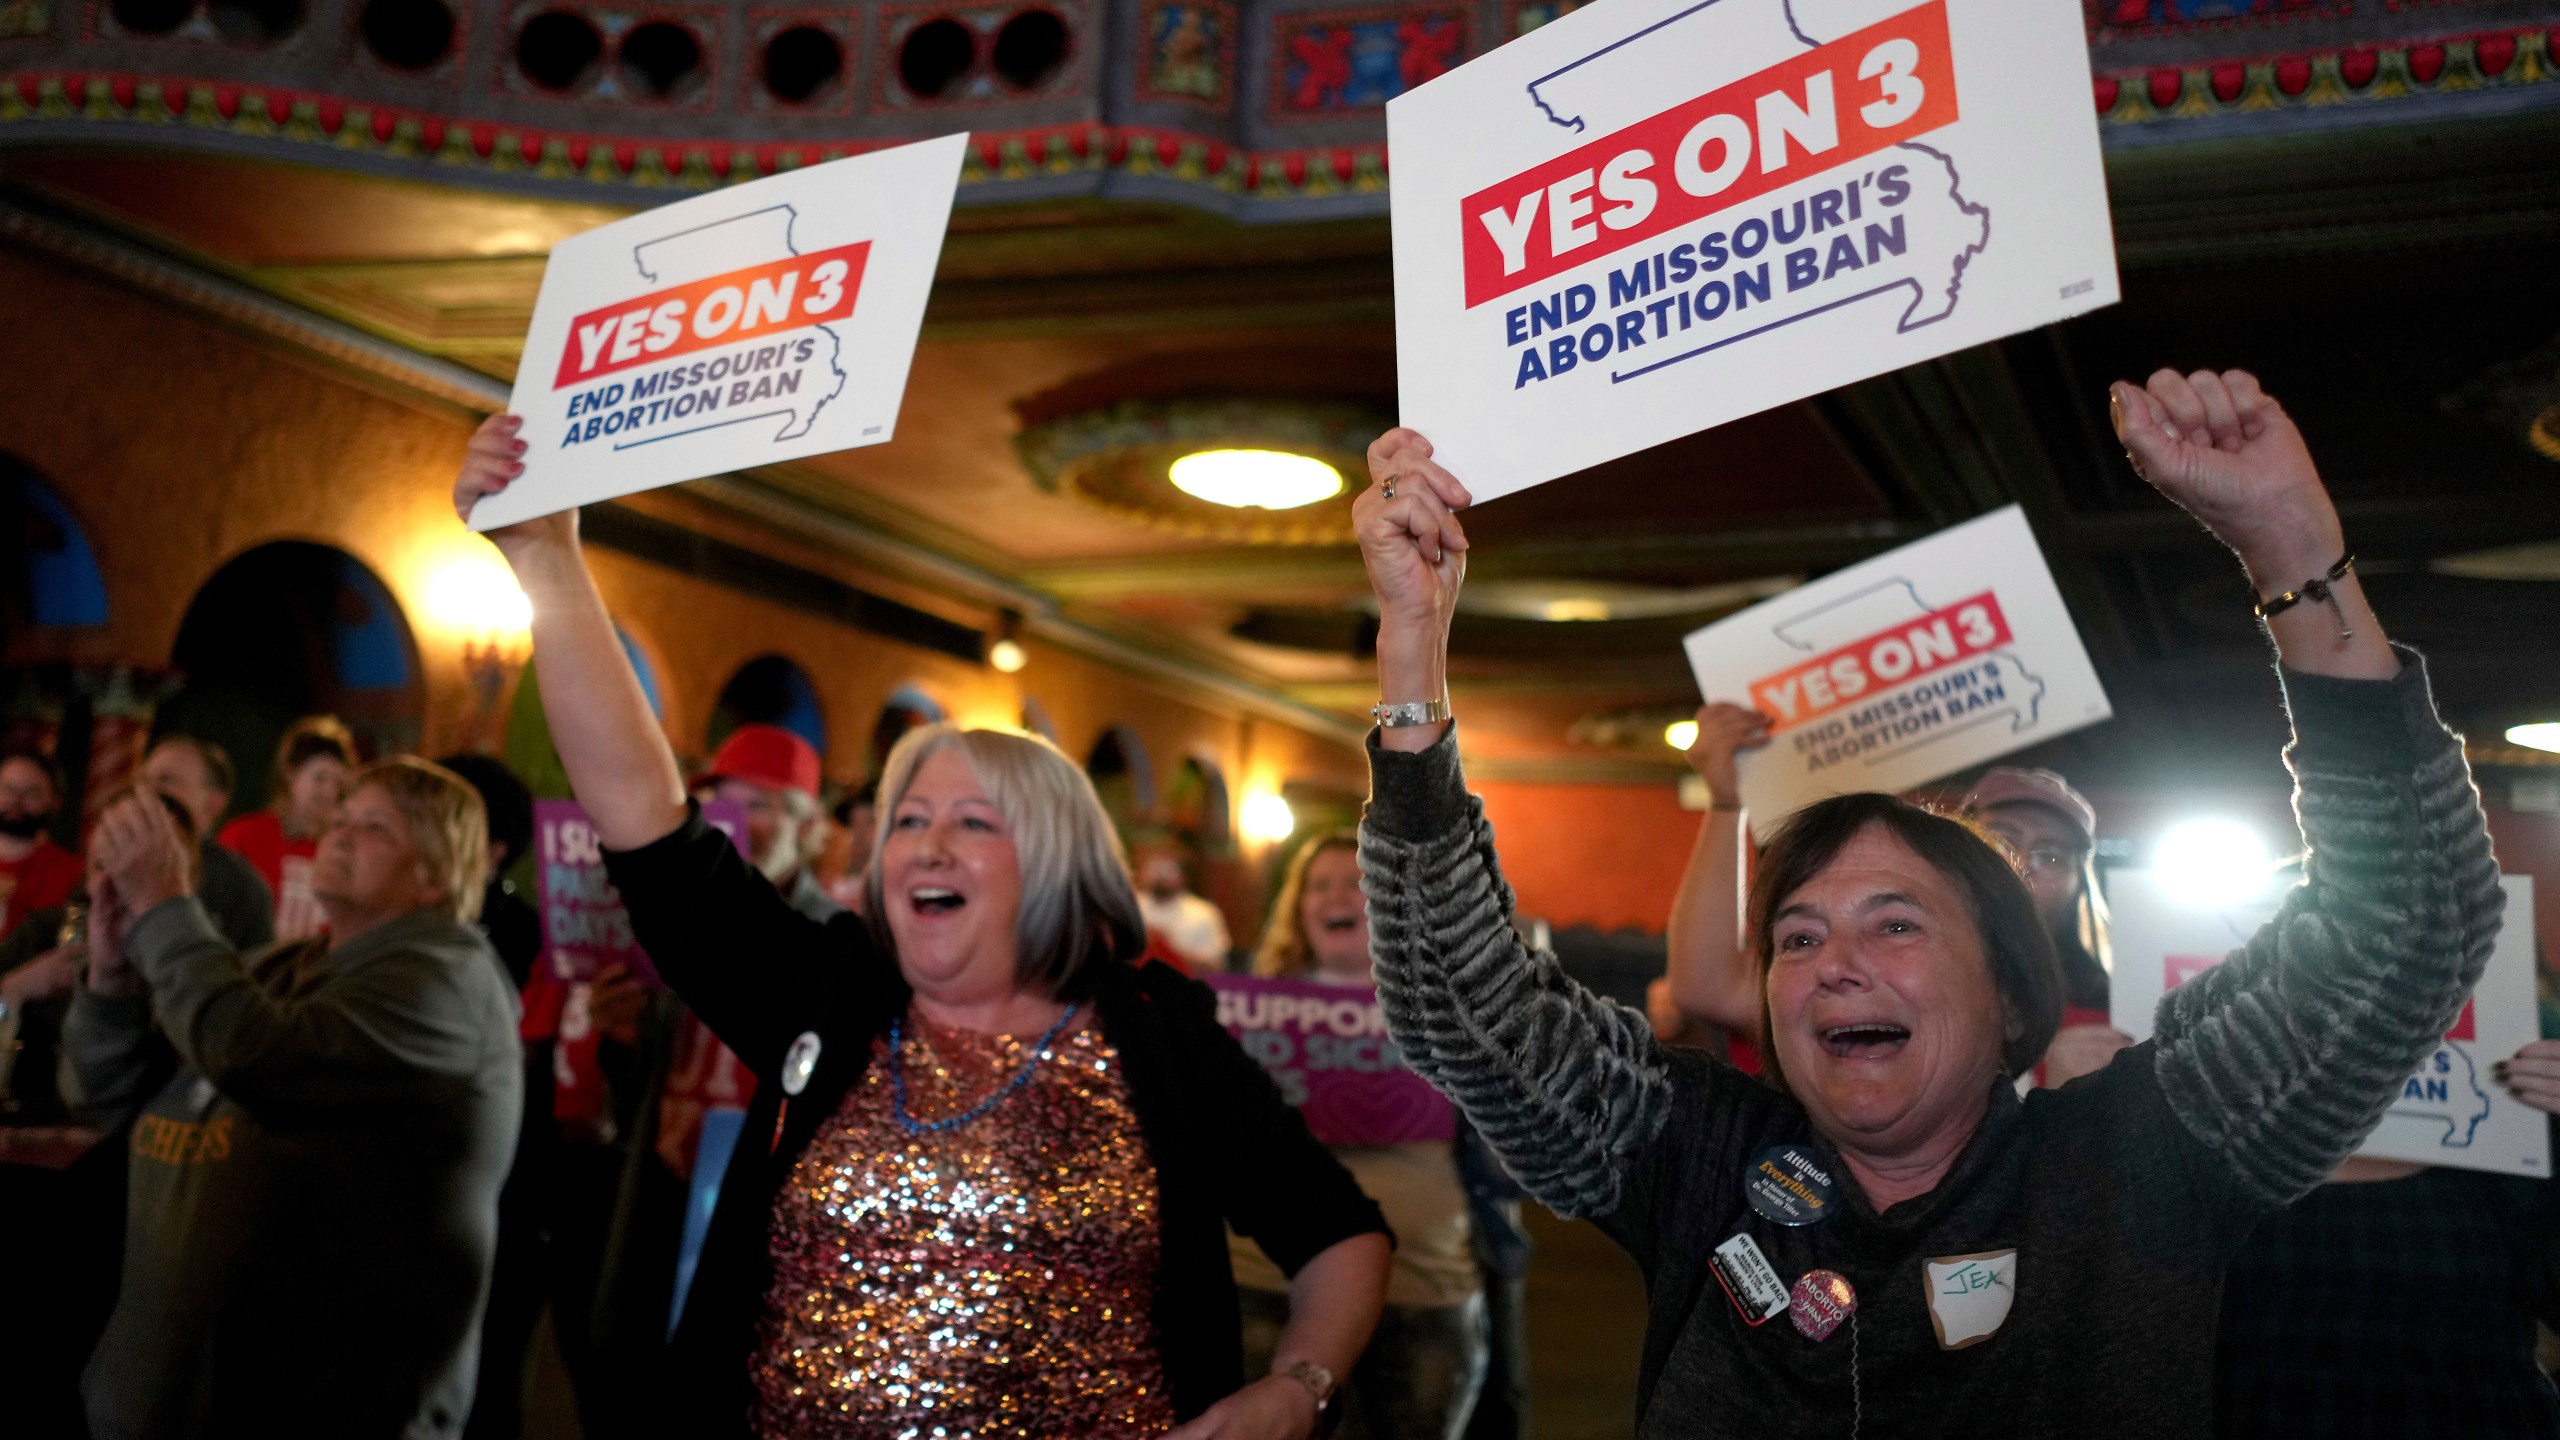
(920, 1123)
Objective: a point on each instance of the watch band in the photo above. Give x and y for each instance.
(1318, 1380)
(1410, 712)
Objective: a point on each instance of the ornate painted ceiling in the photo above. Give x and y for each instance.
(1172, 200)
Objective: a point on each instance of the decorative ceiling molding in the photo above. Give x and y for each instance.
(240, 307)
(84, 88)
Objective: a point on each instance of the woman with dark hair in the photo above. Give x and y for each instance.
(2048, 829)
(1949, 1258)
(984, 1182)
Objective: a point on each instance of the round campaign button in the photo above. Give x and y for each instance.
(800, 1063)
(1820, 1300)
(1787, 1185)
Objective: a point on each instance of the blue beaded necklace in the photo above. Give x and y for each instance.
(898, 1081)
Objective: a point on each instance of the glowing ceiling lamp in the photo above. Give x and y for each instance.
(2211, 863)
(1680, 734)
(2541, 735)
(1007, 656)
(1255, 479)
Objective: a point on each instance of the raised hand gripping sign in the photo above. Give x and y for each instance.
(1902, 669)
(1653, 216)
(758, 323)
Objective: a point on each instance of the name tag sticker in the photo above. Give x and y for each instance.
(1970, 1295)
(1749, 1279)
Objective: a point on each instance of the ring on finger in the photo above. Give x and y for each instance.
(1387, 487)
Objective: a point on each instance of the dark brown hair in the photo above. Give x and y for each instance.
(2024, 968)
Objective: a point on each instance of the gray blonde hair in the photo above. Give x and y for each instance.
(447, 823)
(1078, 907)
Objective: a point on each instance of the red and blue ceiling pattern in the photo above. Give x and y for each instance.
(1274, 108)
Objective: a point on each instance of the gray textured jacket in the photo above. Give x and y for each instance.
(2116, 1201)
(312, 1207)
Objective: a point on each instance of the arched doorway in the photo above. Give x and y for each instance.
(527, 747)
(1196, 809)
(769, 690)
(49, 576)
(907, 708)
(290, 629)
(1125, 779)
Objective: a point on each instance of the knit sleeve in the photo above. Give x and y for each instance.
(1567, 1088)
(2284, 1057)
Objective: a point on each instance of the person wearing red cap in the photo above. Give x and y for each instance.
(772, 774)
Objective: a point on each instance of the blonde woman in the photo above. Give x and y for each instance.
(1427, 1361)
(989, 1163)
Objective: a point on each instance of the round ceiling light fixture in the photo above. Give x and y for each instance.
(1255, 479)
(1238, 469)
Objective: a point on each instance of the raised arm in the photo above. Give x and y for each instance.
(1711, 973)
(2283, 1058)
(402, 1029)
(616, 756)
(1567, 1088)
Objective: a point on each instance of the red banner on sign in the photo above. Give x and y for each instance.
(1881, 661)
(755, 303)
(1818, 111)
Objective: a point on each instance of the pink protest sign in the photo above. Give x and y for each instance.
(1327, 1047)
(584, 926)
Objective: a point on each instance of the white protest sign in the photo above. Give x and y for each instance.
(1902, 669)
(2449, 1112)
(758, 323)
(1650, 217)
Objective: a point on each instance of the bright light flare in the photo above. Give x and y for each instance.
(2211, 863)
(1255, 479)
(2541, 735)
(1007, 656)
(1268, 819)
(477, 596)
(1680, 734)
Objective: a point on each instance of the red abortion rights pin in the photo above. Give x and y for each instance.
(1820, 1301)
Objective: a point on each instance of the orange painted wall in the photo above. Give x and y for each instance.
(179, 445)
(1607, 856)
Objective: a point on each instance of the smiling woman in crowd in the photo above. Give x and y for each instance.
(1884, 1235)
(1423, 1369)
(989, 1165)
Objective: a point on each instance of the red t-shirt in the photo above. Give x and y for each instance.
(44, 879)
(285, 864)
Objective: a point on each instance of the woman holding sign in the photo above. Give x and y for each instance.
(989, 1164)
(1885, 1234)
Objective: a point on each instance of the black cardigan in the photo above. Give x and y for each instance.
(1226, 1148)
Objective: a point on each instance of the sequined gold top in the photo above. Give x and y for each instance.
(989, 1281)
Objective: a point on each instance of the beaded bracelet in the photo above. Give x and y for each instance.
(2320, 590)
